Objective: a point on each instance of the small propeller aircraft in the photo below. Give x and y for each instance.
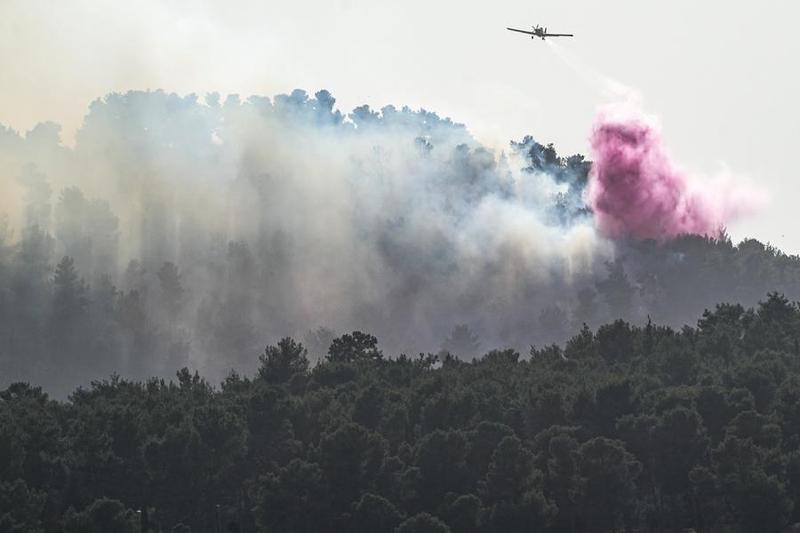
(538, 31)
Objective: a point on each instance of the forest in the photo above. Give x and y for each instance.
(622, 428)
(264, 314)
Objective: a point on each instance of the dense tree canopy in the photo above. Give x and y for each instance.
(559, 389)
(623, 427)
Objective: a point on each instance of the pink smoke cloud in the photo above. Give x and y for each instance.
(636, 190)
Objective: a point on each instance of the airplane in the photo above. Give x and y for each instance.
(538, 31)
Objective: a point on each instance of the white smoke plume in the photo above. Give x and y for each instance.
(283, 215)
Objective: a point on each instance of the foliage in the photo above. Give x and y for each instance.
(600, 435)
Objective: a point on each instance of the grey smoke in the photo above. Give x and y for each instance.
(227, 223)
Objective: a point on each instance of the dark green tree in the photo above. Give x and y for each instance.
(356, 346)
(422, 523)
(279, 363)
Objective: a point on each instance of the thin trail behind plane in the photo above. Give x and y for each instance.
(601, 83)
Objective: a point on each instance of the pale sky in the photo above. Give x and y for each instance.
(721, 76)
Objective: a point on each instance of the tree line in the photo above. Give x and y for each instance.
(621, 428)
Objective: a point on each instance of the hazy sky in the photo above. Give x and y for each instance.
(720, 75)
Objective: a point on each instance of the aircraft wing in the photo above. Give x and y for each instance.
(521, 31)
(558, 35)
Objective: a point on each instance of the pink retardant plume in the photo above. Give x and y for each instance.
(635, 189)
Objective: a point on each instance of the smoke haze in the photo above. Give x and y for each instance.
(229, 223)
(181, 231)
